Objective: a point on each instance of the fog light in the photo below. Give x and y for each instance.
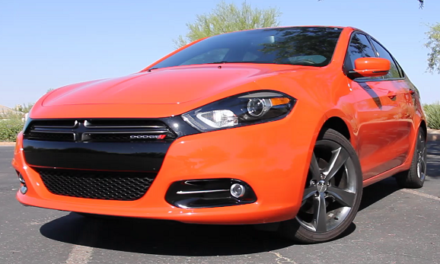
(237, 190)
(23, 189)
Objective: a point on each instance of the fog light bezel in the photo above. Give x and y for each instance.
(21, 179)
(23, 187)
(207, 193)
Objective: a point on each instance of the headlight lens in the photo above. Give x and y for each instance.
(243, 109)
(257, 107)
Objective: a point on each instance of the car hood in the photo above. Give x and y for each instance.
(178, 89)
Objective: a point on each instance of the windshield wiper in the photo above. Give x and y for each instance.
(149, 70)
(219, 62)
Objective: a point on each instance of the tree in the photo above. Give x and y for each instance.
(227, 18)
(434, 45)
(25, 108)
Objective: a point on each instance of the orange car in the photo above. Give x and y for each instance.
(280, 125)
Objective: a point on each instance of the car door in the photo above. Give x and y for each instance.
(401, 120)
(377, 106)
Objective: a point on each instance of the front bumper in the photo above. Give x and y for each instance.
(273, 164)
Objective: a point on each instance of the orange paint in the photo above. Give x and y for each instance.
(273, 158)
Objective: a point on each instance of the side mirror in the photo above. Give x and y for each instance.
(370, 67)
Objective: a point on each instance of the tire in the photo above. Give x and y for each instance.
(415, 176)
(332, 194)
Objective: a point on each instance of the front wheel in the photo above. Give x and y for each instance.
(332, 193)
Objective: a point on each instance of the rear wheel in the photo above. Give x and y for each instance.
(415, 176)
(332, 193)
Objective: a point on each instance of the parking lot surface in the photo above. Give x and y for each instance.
(393, 226)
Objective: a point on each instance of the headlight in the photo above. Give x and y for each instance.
(240, 110)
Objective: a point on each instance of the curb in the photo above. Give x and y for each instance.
(7, 144)
(433, 135)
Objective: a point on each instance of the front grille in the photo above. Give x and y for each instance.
(62, 123)
(109, 137)
(68, 136)
(99, 130)
(124, 123)
(105, 185)
(119, 137)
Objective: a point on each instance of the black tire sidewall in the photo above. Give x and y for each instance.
(292, 229)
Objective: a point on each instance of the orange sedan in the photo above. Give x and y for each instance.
(279, 125)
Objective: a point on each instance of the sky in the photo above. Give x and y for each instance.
(49, 44)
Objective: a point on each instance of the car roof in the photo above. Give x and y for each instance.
(256, 29)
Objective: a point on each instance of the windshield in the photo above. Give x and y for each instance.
(310, 46)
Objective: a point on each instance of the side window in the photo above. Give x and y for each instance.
(383, 53)
(402, 73)
(359, 47)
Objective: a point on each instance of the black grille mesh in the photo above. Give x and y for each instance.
(51, 136)
(123, 186)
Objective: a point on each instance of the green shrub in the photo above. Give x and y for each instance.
(11, 122)
(432, 112)
(9, 128)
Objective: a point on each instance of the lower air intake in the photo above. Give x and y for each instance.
(105, 185)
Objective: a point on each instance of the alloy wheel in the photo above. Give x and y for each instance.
(421, 158)
(330, 192)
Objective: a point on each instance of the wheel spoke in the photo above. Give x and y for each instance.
(344, 197)
(320, 213)
(308, 192)
(422, 158)
(423, 164)
(421, 140)
(314, 168)
(338, 159)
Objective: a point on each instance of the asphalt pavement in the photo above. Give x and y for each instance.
(393, 226)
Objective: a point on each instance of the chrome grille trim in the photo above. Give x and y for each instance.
(89, 124)
(129, 132)
(94, 130)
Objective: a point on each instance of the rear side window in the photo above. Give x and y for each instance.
(383, 53)
(359, 47)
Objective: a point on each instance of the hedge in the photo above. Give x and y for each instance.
(432, 112)
(9, 128)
